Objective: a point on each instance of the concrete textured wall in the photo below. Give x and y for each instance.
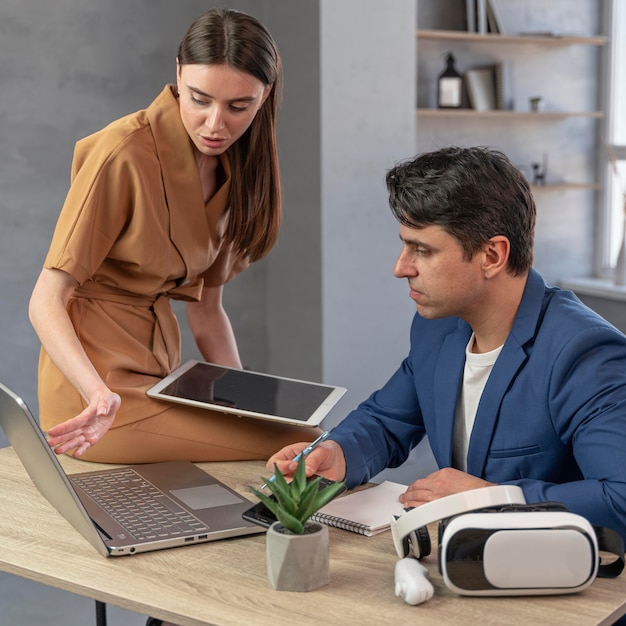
(68, 68)
(324, 304)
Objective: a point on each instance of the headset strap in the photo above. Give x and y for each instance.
(463, 502)
(610, 541)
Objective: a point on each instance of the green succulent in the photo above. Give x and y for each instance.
(294, 502)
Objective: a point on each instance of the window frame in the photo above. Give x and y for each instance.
(612, 140)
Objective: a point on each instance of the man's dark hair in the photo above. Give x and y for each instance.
(473, 194)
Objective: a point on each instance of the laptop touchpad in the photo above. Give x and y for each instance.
(206, 496)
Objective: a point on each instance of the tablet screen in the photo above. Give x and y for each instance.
(248, 393)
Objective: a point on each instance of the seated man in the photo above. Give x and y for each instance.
(513, 381)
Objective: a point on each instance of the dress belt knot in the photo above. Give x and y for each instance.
(166, 344)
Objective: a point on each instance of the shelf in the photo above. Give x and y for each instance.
(467, 116)
(566, 187)
(501, 113)
(558, 40)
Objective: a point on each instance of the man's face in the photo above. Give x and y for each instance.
(442, 283)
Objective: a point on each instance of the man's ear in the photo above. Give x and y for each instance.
(496, 255)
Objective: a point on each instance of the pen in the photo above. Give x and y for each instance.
(304, 452)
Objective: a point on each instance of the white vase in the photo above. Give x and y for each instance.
(298, 562)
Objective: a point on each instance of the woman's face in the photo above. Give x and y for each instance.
(217, 104)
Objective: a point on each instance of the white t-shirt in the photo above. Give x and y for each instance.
(475, 375)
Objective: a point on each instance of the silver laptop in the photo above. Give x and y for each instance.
(132, 509)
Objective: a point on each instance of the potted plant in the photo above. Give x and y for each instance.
(297, 547)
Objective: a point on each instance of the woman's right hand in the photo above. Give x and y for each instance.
(86, 429)
(48, 314)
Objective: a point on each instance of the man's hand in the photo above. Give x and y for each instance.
(326, 460)
(86, 429)
(443, 482)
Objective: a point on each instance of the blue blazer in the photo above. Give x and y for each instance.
(551, 419)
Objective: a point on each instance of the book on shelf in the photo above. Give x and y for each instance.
(481, 16)
(367, 512)
(470, 15)
(494, 18)
(484, 16)
(501, 77)
(481, 88)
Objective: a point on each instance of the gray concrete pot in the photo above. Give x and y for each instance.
(298, 562)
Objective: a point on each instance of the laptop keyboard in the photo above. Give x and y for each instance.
(143, 510)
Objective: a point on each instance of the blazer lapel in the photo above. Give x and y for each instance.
(511, 359)
(447, 381)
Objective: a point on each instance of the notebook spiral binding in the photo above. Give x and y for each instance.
(338, 522)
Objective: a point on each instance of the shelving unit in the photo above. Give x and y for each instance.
(505, 113)
(542, 39)
(465, 116)
(566, 187)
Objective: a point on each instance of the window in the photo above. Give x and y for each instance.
(615, 137)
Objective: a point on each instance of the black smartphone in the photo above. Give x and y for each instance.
(261, 515)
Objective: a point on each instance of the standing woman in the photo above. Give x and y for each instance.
(169, 202)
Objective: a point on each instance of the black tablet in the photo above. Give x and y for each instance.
(248, 394)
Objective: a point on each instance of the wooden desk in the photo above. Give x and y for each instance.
(224, 582)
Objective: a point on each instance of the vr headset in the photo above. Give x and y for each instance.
(491, 543)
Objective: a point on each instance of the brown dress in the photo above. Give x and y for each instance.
(134, 232)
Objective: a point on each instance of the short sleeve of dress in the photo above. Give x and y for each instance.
(97, 208)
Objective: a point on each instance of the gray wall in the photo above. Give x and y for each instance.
(324, 304)
(68, 67)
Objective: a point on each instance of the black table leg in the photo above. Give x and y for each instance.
(101, 613)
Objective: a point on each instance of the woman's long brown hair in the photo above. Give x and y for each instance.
(236, 39)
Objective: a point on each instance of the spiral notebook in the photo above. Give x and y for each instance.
(367, 512)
